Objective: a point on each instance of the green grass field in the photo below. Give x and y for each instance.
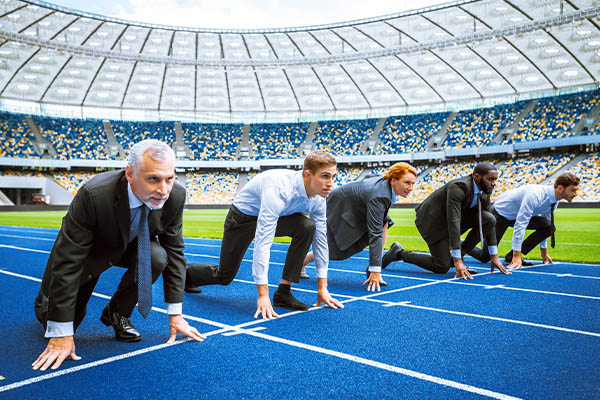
(577, 230)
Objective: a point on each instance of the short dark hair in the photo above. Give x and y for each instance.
(483, 168)
(566, 179)
(315, 160)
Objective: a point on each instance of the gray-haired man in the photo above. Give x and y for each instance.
(130, 218)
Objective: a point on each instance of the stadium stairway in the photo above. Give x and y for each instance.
(242, 180)
(4, 200)
(587, 122)
(113, 147)
(41, 145)
(564, 168)
(369, 145)
(510, 130)
(436, 140)
(244, 151)
(182, 150)
(308, 145)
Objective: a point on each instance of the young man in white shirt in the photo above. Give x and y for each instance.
(277, 202)
(529, 207)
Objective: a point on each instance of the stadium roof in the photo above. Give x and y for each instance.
(459, 52)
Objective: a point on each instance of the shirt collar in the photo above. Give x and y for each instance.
(134, 202)
(476, 188)
(300, 189)
(551, 194)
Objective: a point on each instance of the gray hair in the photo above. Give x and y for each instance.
(157, 150)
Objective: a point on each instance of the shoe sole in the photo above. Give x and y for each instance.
(287, 306)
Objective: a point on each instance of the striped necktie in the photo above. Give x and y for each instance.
(144, 267)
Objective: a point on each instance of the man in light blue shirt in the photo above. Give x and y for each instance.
(529, 207)
(277, 202)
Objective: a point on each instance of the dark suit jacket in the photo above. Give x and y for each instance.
(439, 215)
(357, 211)
(94, 235)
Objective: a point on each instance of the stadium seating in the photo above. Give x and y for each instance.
(588, 170)
(128, 133)
(24, 173)
(277, 140)
(479, 127)
(16, 138)
(212, 187)
(408, 133)
(342, 138)
(521, 171)
(72, 181)
(555, 117)
(212, 141)
(346, 175)
(74, 139)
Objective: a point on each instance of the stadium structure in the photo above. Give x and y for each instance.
(515, 82)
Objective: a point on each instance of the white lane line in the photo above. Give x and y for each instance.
(234, 333)
(26, 237)
(252, 332)
(386, 367)
(513, 321)
(580, 296)
(24, 249)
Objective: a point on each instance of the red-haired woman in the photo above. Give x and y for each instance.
(357, 216)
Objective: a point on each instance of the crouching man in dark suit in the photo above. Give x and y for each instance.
(357, 216)
(451, 210)
(130, 218)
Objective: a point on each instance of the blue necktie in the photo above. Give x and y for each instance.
(144, 268)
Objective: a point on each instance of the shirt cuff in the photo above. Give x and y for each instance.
(58, 329)
(455, 253)
(516, 246)
(174, 308)
(544, 244)
(261, 280)
(493, 250)
(374, 268)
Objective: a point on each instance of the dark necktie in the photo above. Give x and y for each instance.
(552, 242)
(144, 268)
(479, 216)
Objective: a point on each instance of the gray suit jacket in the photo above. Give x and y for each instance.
(440, 214)
(94, 235)
(356, 213)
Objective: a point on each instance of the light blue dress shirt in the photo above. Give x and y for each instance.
(521, 204)
(61, 329)
(277, 193)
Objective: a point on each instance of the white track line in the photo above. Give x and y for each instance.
(512, 321)
(232, 330)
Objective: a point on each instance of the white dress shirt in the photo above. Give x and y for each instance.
(61, 329)
(521, 204)
(278, 193)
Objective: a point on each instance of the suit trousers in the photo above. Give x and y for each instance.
(125, 297)
(542, 230)
(440, 260)
(239, 232)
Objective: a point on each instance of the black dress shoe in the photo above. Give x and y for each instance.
(287, 300)
(394, 254)
(192, 289)
(124, 331)
(472, 271)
